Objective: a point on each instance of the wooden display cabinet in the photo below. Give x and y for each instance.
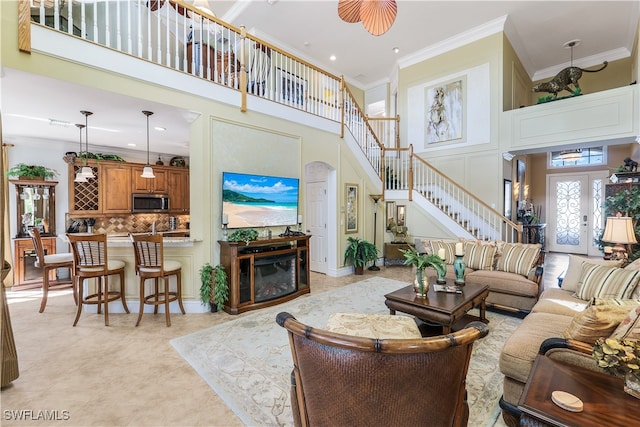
(265, 272)
(26, 274)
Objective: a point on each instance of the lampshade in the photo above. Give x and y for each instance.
(87, 171)
(619, 229)
(147, 172)
(79, 176)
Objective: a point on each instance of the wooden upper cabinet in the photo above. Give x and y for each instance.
(149, 185)
(116, 188)
(84, 197)
(178, 183)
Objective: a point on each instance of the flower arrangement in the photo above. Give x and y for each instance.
(618, 357)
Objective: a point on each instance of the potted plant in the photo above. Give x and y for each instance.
(420, 262)
(214, 288)
(620, 357)
(359, 253)
(25, 171)
(245, 235)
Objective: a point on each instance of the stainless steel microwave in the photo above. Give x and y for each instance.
(144, 202)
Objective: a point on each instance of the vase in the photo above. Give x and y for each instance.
(421, 283)
(632, 385)
(458, 267)
(441, 273)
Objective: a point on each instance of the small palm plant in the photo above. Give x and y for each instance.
(359, 253)
(422, 261)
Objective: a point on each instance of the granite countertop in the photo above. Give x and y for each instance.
(123, 240)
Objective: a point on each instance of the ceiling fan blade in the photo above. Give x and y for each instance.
(378, 15)
(349, 10)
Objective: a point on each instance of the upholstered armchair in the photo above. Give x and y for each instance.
(345, 380)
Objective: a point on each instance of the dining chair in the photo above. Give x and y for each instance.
(92, 262)
(48, 263)
(150, 264)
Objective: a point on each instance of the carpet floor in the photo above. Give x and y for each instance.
(247, 361)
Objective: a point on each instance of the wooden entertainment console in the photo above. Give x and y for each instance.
(265, 272)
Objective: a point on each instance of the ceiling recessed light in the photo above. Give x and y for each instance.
(332, 57)
(160, 128)
(131, 144)
(396, 49)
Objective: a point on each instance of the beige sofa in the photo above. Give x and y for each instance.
(513, 271)
(565, 320)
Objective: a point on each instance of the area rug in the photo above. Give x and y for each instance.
(247, 361)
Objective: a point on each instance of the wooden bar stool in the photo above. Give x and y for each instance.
(48, 263)
(150, 264)
(91, 261)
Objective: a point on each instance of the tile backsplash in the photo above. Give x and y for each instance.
(135, 223)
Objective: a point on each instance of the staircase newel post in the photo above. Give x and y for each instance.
(410, 172)
(243, 70)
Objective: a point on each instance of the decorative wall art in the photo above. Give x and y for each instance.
(444, 112)
(401, 216)
(390, 214)
(351, 208)
(290, 88)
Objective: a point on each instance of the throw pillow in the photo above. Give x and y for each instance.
(595, 321)
(606, 282)
(615, 301)
(449, 250)
(574, 270)
(629, 327)
(478, 256)
(518, 258)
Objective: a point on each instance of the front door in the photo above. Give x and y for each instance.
(575, 212)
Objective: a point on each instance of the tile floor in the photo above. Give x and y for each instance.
(126, 376)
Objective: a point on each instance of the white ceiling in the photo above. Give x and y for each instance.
(313, 31)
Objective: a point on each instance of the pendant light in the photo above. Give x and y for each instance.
(147, 172)
(79, 176)
(87, 171)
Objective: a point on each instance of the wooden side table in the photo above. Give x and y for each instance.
(603, 396)
(392, 254)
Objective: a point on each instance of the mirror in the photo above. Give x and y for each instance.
(36, 207)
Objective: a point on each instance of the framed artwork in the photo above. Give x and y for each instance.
(508, 197)
(444, 112)
(390, 214)
(400, 215)
(351, 208)
(290, 89)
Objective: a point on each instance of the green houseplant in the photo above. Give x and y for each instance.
(245, 235)
(214, 287)
(420, 262)
(359, 253)
(25, 171)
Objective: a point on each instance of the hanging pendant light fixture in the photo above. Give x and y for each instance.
(377, 16)
(79, 176)
(87, 171)
(147, 172)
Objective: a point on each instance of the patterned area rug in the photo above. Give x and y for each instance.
(247, 361)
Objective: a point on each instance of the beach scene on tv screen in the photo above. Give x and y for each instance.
(258, 200)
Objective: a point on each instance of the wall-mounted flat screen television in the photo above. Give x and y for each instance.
(259, 200)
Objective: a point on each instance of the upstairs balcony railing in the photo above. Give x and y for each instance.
(176, 35)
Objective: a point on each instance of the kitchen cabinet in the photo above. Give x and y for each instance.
(116, 195)
(84, 197)
(178, 183)
(149, 185)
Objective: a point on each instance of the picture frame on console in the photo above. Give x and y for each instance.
(351, 208)
(390, 214)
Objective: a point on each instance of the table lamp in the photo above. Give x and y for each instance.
(619, 230)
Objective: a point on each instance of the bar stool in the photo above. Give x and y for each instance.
(150, 264)
(91, 261)
(48, 263)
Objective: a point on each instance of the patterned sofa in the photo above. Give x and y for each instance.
(513, 271)
(597, 299)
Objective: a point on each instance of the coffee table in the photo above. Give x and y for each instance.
(605, 402)
(440, 308)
